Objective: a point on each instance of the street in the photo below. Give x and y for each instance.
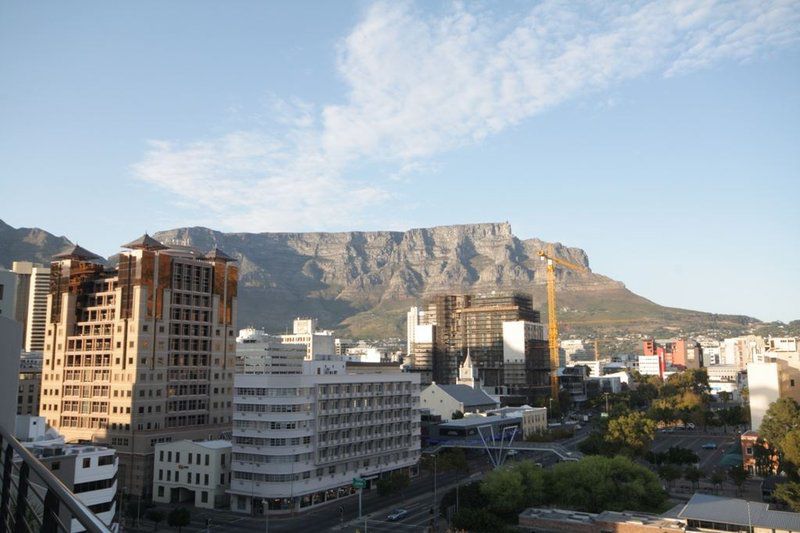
(694, 440)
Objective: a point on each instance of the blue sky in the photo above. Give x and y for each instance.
(660, 137)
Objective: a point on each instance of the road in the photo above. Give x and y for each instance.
(694, 441)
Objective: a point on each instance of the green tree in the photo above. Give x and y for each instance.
(789, 493)
(693, 475)
(457, 415)
(669, 473)
(632, 433)
(717, 478)
(596, 483)
(738, 475)
(504, 490)
(725, 396)
(155, 516)
(479, 520)
(179, 517)
(782, 417)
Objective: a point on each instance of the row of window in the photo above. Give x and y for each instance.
(257, 441)
(261, 408)
(272, 392)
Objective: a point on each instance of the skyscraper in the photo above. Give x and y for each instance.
(33, 285)
(140, 354)
(502, 333)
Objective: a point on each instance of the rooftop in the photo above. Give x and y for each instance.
(738, 512)
(475, 421)
(78, 252)
(467, 395)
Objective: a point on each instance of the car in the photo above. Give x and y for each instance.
(690, 425)
(397, 514)
(709, 446)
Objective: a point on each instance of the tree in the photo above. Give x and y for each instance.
(693, 475)
(504, 491)
(738, 475)
(717, 478)
(179, 517)
(633, 433)
(457, 415)
(669, 473)
(156, 516)
(789, 493)
(782, 417)
(597, 483)
(478, 520)
(725, 396)
(790, 448)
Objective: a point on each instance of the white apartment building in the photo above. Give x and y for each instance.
(650, 365)
(412, 321)
(300, 437)
(317, 342)
(90, 472)
(36, 281)
(257, 350)
(193, 472)
(763, 382)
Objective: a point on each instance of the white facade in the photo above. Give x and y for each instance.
(515, 333)
(440, 401)
(649, 365)
(90, 472)
(763, 382)
(299, 439)
(722, 372)
(195, 472)
(316, 342)
(37, 309)
(534, 420)
(412, 321)
(257, 352)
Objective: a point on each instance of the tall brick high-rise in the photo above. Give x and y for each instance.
(140, 354)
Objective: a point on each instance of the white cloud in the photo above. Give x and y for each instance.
(419, 85)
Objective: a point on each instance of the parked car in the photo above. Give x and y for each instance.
(690, 425)
(397, 514)
(710, 446)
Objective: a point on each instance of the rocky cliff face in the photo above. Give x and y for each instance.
(28, 244)
(364, 282)
(337, 275)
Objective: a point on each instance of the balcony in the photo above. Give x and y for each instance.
(33, 499)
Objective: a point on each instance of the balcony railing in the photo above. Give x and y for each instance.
(32, 499)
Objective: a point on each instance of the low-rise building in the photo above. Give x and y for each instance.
(194, 472)
(90, 472)
(568, 521)
(705, 512)
(651, 365)
(445, 400)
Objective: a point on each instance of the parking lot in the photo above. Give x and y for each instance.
(694, 440)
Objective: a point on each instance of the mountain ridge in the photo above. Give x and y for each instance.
(362, 282)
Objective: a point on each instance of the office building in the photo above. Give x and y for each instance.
(33, 281)
(30, 383)
(412, 321)
(193, 472)
(651, 365)
(257, 350)
(503, 334)
(316, 341)
(769, 381)
(300, 438)
(140, 354)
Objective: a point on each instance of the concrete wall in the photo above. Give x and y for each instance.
(10, 348)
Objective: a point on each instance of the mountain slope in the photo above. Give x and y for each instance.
(28, 244)
(364, 282)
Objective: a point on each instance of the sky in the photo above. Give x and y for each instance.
(661, 137)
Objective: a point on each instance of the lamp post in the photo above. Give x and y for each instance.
(265, 503)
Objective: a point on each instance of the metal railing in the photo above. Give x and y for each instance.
(33, 499)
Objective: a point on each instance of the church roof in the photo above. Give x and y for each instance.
(467, 395)
(145, 242)
(78, 252)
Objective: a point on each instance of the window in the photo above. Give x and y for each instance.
(105, 460)
(160, 476)
(206, 459)
(177, 457)
(204, 497)
(205, 480)
(87, 462)
(197, 478)
(56, 465)
(161, 491)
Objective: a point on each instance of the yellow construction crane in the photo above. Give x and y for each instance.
(552, 261)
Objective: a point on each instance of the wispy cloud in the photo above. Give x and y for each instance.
(420, 85)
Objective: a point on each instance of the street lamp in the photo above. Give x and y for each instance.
(265, 503)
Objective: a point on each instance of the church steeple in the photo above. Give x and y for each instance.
(467, 373)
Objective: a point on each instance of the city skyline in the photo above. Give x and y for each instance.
(659, 137)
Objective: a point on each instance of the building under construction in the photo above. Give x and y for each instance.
(501, 332)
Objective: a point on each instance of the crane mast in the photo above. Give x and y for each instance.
(552, 315)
